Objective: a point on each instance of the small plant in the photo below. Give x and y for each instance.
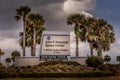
(94, 61)
(103, 67)
(107, 59)
(29, 67)
(8, 60)
(118, 59)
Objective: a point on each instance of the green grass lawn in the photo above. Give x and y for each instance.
(103, 78)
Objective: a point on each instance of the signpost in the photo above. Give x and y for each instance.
(55, 45)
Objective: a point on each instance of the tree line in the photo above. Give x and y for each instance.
(97, 32)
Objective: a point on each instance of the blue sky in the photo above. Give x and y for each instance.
(110, 11)
(55, 13)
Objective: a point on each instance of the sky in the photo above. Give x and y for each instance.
(55, 13)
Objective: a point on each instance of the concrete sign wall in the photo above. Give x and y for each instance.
(55, 44)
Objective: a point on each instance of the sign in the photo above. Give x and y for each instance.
(55, 45)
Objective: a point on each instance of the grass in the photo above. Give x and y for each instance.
(103, 78)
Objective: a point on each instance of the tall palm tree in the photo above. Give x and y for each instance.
(91, 34)
(1, 53)
(29, 37)
(8, 60)
(106, 36)
(78, 21)
(99, 35)
(15, 54)
(22, 12)
(35, 24)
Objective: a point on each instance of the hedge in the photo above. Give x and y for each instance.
(56, 75)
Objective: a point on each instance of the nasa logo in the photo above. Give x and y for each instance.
(48, 37)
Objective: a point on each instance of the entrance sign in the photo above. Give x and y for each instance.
(55, 45)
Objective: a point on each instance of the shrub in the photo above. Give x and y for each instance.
(112, 68)
(46, 63)
(0, 64)
(56, 75)
(28, 67)
(103, 67)
(4, 74)
(94, 61)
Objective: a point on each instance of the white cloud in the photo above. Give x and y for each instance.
(86, 14)
(76, 6)
(116, 47)
(10, 43)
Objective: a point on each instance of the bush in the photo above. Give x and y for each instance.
(103, 67)
(4, 74)
(112, 68)
(56, 75)
(94, 61)
(28, 67)
(46, 63)
(0, 64)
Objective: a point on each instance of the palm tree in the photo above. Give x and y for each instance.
(1, 53)
(78, 21)
(106, 36)
(118, 59)
(8, 60)
(99, 35)
(22, 12)
(15, 54)
(29, 36)
(91, 34)
(35, 24)
(107, 58)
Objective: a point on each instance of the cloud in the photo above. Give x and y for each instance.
(9, 44)
(76, 6)
(115, 48)
(55, 14)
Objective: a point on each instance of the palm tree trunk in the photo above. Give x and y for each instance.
(91, 48)
(24, 35)
(34, 41)
(99, 52)
(0, 58)
(77, 44)
(31, 49)
(7, 64)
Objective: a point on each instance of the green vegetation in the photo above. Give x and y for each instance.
(4, 73)
(118, 59)
(97, 32)
(103, 67)
(8, 60)
(34, 30)
(94, 61)
(22, 12)
(58, 69)
(54, 67)
(14, 54)
(107, 58)
(79, 31)
(103, 78)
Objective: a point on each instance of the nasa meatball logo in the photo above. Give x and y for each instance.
(48, 37)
